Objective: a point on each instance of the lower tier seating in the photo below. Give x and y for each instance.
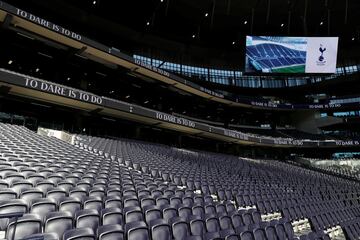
(123, 189)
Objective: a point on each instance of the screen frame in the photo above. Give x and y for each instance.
(287, 75)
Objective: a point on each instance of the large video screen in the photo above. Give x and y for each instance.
(266, 54)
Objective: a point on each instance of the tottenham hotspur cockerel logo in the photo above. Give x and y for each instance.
(322, 50)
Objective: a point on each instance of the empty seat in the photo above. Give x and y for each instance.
(42, 236)
(160, 229)
(180, 228)
(110, 232)
(271, 233)
(15, 206)
(113, 191)
(4, 184)
(87, 218)
(174, 201)
(210, 209)
(212, 224)
(136, 231)
(225, 222)
(70, 204)
(58, 223)
(197, 226)
(212, 236)
(43, 206)
(110, 216)
(113, 202)
(78, 192)
(131, 201)
(151, 213)
(147, 201)
(259, 234)
(247, 235)
(256, 217)
(289, 230)
(169, 213)
(247, 218)
(44, 186)
(13, 177)
(56, 194)
(237, 220)
(31, 194)
(79, 234)
(65, 185)
(280, 231)
(97, 191)
(7, 194)
(184, 212)
(55, 178)
(198, 211)
(221, 208)
(161, 201)
(132, 214)
(35, 178)
(19, 186)
(188, 201)
(26, 225)
(93, 202)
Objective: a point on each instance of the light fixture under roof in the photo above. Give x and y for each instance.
(37, 70)
(68, 78)
(321, 23)
(282, 25)
(206, 14)
(193, 36)
(353, 39)
(245, 22)
(127, 96)
(10, 62)
(94, 2)
(233, 43)
(147, 23)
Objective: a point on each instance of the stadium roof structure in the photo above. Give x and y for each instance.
(216, 24)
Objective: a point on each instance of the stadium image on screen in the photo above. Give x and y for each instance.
(291, 54)
(275, 54)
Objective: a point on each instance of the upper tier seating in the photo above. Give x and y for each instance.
(107, 189)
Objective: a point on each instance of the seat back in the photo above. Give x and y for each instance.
(160, 230)
(79, 234)
(111, 232)
(58, 223)
(26, 225)
(136, 231)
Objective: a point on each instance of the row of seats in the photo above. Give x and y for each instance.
(123, 189)
(296, 192)
(51, 190)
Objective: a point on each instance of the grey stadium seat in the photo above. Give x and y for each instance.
(110, 232)
(58, 223)
(79, 234)
(26, 225)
